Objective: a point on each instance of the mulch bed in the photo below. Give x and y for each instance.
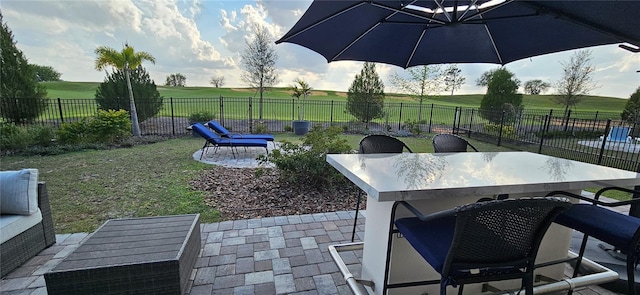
(245, 193)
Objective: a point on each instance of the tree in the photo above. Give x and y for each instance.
(300, 88)
(501, 97)
(365, 98)
(421, 81)
(453, 78)
(259, 63)
(112, 94)
(576, 81)
(631, 112)
(126, 60)
(488, 75)
(176, 80)
(45, 73)
(535, 87)
(21, 98)
(217, 81)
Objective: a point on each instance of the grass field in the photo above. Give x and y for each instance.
(66, 90)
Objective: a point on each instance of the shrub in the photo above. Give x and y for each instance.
(305, 164)
(201, 117)
(288, 128)
(494, 129)
(413, 126)
(41, 135)
(109, 126)
(260, 128)
(12, 137)
(74, 132)
(106, 127)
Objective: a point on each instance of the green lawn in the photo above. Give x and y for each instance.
(65, 90)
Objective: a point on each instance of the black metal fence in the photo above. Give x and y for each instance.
(575, 135)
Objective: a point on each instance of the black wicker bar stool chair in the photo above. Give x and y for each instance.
(479, 242)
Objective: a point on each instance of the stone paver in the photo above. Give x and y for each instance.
(273, 255)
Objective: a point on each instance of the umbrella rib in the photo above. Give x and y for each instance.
(407, 13)
(354, 41)
(415, 48)
(493, 43)
(321, 21)
(472, 4)
(479, 14)
(446, 14)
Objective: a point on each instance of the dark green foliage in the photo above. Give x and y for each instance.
(45, 73)
(176, 80)
(305, 164)
(201, 117)
(21, 98)
(501, 97)
(15, 138)
(365, 99)
(106, 127)
(113, 95)
(631, 112)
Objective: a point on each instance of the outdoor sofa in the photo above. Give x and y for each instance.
(26, 225)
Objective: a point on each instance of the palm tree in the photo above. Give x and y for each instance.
(125, 60)
(300, 88)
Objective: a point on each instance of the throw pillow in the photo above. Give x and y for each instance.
(19, 192)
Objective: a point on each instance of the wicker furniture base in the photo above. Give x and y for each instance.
(131, 256)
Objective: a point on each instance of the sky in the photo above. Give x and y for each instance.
(201, 39)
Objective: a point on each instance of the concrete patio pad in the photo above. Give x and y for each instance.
(244, 157)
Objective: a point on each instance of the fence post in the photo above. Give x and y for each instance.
(501, 125)
(293, 109)
(455, 118)
(221, 109)
(60, 110)
(604, 142)
(471, 122)
(430, 118)
(566, 120)
(173, 120)
(331, 113)
(251, 114)
(400, 118)
(595, 121)
(545, 125)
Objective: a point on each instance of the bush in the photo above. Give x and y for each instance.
(41, 135)
(12, 137)
(305, 164)
(74, 132)
(110, 126)
(413, 126)
(494, 129)
(106, 127)
(288, 128)
(260, 128)
(201, 117)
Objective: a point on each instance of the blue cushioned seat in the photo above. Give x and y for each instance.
(478, 242)
(598, 222)
(215, 140)
(617, 229)
(421, 235)
(224, 132)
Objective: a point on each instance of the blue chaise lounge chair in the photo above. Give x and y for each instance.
(218, 128)
(618, 134)
(215, 140)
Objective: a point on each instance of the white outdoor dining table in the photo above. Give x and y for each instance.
(434, 182)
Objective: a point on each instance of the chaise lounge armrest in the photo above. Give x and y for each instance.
(26, 245)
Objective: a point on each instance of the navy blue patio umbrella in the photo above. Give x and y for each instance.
(409, 33)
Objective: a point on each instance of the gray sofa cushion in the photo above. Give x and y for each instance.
(19, 192)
